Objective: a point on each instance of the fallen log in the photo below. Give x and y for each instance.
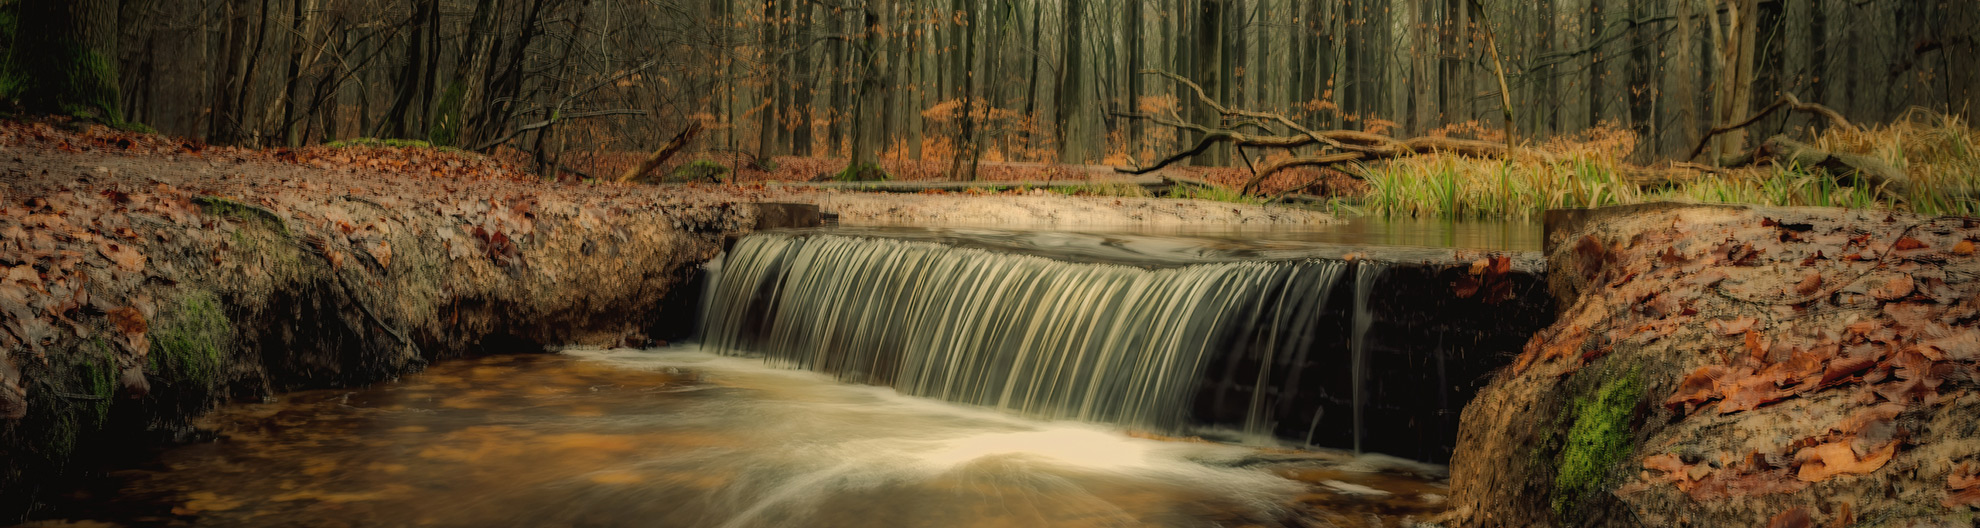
(1867, 169)
(665, 153)
(1153, 183)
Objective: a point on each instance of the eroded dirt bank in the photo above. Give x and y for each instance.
(143, 280)
(1732, 366)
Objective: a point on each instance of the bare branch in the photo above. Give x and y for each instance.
(1788, 101)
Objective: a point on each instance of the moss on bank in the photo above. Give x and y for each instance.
(390, 143)
(1600, 436)
(188, 346)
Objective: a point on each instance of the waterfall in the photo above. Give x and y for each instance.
(1046, 338)
(1364, 284)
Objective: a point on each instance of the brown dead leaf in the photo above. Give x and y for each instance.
(1745, 482)
(1964, 476)
(122, 255)
(1964, 248)
(1731, 326)
(1821, 462)
(1794, 518)
(1969, 498)
(1699, 387)
(1963, 486)
(1908, 244)
(1809, 284)
(1896, 288)
(382, 252)
(128, 320)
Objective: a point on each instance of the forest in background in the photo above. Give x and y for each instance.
(565, 82)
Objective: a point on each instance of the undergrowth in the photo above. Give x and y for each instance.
(1940, 153)
(389, 143)
(1215, 194)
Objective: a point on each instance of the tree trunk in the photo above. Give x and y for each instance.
(867, 114)
(63, 59)
(1211, 70)
(1073, 95)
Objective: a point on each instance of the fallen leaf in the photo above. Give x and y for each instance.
(1896, 288)
(128, 320)
(1908, 244)
(1964, 476)
(1809, 284)
(122, 255)
(1794, 518)
(1731, 326)
(382, 252)
(1964, 248)
(1821, 462)
(1699, 387)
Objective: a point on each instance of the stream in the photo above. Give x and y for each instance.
(680, 437)
(907, 378)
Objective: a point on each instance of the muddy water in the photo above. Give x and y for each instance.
(677, 437)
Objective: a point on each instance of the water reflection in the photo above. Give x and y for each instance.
(676, 437)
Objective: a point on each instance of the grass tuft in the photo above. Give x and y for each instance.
(1940, 153)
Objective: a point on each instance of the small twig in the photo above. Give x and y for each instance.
(1882, 261)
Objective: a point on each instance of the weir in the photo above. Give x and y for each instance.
(1273, 344)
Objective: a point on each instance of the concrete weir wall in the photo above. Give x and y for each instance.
(1433, 325)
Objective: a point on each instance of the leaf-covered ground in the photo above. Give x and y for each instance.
(1795, 363)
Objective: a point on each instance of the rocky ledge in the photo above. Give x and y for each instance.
(1735, 366)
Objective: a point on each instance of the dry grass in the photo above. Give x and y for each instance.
(1940, 153)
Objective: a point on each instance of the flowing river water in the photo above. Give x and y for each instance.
(854, 378)
(680, 437)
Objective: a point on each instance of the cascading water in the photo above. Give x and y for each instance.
(1364, 284)
(1046, 338)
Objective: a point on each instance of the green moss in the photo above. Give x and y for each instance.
(1599, 438)
(863, 172)
(389, 143)
(187, 345)
(241, 212)
(699, 171)
(1102, 189)
(1218, 194)
(98, 375)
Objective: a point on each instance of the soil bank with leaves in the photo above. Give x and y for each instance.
(1736, 366)
(145, 279)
